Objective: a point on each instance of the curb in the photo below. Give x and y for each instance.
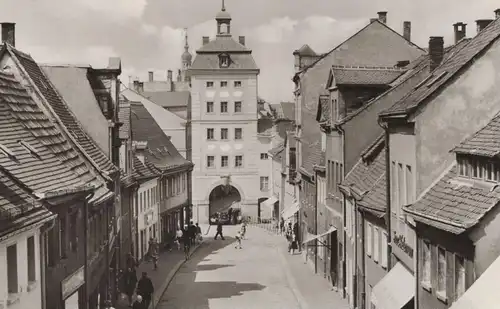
(163, 288)
(291, 281)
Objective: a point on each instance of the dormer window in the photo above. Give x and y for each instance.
(224, 60)
(478, 168)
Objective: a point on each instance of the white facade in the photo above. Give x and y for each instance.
(20, 271)
(147, 206)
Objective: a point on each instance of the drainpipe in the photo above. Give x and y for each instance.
(387, 193)
(107, 247)
(316, 223)
(85, 247)
(43, 250)
(355, 264)
(362, 255)
(344, 236)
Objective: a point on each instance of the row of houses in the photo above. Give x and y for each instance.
(87, 176)
(395, 174)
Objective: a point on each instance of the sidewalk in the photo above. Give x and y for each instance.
(311, 290)
(169, 263)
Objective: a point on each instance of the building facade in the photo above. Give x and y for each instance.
(224, 125)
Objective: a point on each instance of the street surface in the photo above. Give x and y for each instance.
(219, 276)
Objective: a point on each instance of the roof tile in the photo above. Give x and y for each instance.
(485, 142)
(362, 75)
(454, 204)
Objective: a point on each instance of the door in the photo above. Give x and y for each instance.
(334, 258)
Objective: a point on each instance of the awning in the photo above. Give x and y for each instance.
(394, 290)
(290, 211)
(270, 202)
(483, 292)
(312, 237)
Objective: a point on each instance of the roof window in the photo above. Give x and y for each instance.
(7, 152)
(29, 148)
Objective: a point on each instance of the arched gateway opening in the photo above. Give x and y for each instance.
(224, 205)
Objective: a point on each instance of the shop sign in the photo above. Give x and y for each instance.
(71, 283)
(400, 241)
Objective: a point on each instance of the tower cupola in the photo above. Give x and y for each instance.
(223, 19)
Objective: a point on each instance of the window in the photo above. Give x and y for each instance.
(441, 271)
(474, 168)
(224, 161)
(210, 161)
(237, 84)
(459, 276)
(224, 134)
(31, 259)
(383, 252)
(210, 107)
(401, 185)
(369, 239)
(323, 141)
(409, 185)
(238, 133)
(12, 280)
(264, 156)
(210, 84)
(210, 134)
(223, 107)
(223, 84)
(264, 183)
(237, 107)
(463, 168)
(73, 235)
(394, 191)
(224, 61)
(376, 244)
(426, 262)
(62, 237)
(238, 161)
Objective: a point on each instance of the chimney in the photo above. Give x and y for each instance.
(460, 31)
(482, 23)
(9, 33)
(169, 76)
(151, 76)
(436, 51)
(242, 40)
(382, 17)
(136, 86)
(373, 19)
(141, 87)
(497, 13)
(205, 40)
(407, 30)
(402, 63)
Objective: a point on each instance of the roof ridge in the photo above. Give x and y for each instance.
(367, 67)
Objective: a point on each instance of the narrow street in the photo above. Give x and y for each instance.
(258, 276)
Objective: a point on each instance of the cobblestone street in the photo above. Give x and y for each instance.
(257, 276)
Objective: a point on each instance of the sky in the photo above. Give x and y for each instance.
(148, 35)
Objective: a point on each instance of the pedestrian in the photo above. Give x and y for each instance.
(138, 304)
(178, 238)
(282, 225)
(145, 289)
(198, 233)
(192, 232)
(243, 230)
(219, 231)
(186, 240)
(238, 238)
(130, 283)
(296, 232)
(131, 262)
(294, 243)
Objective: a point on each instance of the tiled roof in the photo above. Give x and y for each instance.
(124, 117)
(17, 208)
(367, 178)
(323, 114)
(485, 142)
(361, 75)
(240, 61)
(62, 111)
(73, 84)
(161, 152)
(464, 55)
(454, 204)
(56, 165)
(144, 170)
(168, 98)
(306, 50)
(287, 110)
(274, 151)
(224, 43)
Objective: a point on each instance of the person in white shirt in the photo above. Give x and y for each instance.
(178, 237)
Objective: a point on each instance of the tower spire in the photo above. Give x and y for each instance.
(223, 6)
(186, 44)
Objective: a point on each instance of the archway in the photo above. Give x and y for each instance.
(223, 199)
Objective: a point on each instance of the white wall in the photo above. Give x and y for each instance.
(150, 209)
(26, 299)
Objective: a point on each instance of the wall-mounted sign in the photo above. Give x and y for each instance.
(71, 283)
(400, 241)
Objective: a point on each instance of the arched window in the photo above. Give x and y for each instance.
(223, 28)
